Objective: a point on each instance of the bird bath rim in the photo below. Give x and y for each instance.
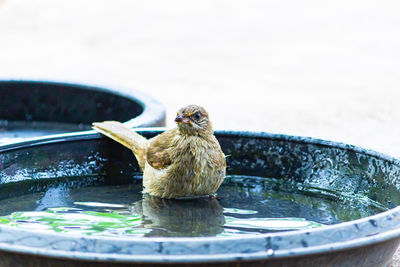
(153, 112)
(372, 229)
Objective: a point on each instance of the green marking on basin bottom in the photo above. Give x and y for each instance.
(76, 221)
(72, 220)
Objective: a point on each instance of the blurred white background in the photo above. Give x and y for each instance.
(326, 69)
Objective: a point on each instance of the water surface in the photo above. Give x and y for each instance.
(17, 131)
(243, 206)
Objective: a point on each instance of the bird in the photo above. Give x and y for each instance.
(183, 162)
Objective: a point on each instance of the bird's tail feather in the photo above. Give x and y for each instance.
(125, 136)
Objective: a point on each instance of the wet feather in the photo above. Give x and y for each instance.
(186, 161)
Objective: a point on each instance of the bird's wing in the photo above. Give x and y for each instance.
(158, 155)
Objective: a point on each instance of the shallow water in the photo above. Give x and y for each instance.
(16, 131)
(244, 205)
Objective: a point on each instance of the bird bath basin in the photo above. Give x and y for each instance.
(37, 108)
(288, 201)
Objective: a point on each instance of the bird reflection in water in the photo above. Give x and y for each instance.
(181, 218)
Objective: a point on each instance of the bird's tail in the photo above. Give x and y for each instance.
(125, 136)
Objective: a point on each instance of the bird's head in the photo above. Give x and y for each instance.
(193, 120)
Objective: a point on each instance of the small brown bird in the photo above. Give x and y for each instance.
(186, 161)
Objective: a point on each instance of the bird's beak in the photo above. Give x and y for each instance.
(182, 119)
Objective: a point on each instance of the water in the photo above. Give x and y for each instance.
(243, 206)
(16, 131)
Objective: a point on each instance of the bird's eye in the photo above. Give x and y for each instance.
(197, 115)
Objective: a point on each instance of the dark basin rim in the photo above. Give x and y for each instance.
(199, 258)
(152, 108)
(261, 254)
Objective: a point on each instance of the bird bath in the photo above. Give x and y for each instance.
(36, 108)
(287, 201)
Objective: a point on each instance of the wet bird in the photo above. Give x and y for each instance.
(183, 162)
